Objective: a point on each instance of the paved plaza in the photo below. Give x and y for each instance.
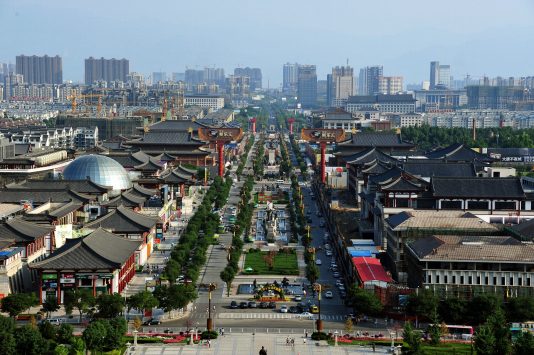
(248, 344)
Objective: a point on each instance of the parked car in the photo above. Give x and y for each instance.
(328, 253)
(264, 305)
(336, 274)
(318, 262)
(272, 305)
(328, 294)
(243, 305)
(298, 298)
(293, 309)
(283, 309)
(252, 304)
(314, 309)
(233, 305)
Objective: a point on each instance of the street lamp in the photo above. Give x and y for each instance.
(317, 287)
(211, 287)
(336, 333)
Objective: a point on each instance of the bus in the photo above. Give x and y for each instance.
(518, 328)
(459, 332)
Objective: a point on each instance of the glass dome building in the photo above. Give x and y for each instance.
(99, 169)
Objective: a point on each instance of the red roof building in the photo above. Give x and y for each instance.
(370, 272)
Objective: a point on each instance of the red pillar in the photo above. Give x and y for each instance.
(220, 148)
(291, 128)
(323, 162)
(40, 286)
(182, 190)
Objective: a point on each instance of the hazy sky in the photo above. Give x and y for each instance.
(492, 37)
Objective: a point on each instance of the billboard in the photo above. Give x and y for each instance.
(220, 134)
(322, 135)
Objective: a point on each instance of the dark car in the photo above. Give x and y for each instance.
(243, 305)
(152, 321)
(252, 304)
(233, 305)
(272, 305)
(264, 305)
(294, 309)
(309, 220)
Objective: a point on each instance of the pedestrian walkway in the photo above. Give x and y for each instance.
(245, 344)
(274, 315)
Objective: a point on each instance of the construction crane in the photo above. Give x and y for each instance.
(75, 97)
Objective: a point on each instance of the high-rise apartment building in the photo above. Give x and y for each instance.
(390, 85)
(440, 75)
(40, 70)
(11, 80)
(176, 77)
(106, 69)
(238, 86)
(369, 79)
(214, 76)
(159, 77)
(307, 85)
(340, 85)
(253, 73)
(290, 78)
(193, 77)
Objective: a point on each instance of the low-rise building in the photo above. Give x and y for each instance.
(205, 101)
(463, 265)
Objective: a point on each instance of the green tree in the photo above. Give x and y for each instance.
(29, 341)
(175, 296)
(364, 301)
(95, 335)
(77, 345)
(7, 324)
(484, 341)
(142, 301)
(453, 310)
(423, 304)
(520, 309)
(227, 275)
(61, 349)
(501, 331)
(413, 340)
(115, 330)
(524, 344)
(64, 333)
(8, 345)
(435, 329)
(16, 303)
(47, 330)
(312, 273)
(109, 306)
(80, 299)
(172, 270)
(482, 306)
(50, 305)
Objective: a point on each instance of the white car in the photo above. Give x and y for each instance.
(283, 309)
(318, 262)
(328, 253)
(328, 294)
(306, 315)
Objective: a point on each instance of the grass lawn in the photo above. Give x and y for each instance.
(284, 264)
(448, 348)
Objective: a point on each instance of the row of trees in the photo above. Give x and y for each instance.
(300, 160)
(427, 138)
(244, 220)
(259, 160)
(244, 156)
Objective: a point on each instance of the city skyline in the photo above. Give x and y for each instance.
(400, 38)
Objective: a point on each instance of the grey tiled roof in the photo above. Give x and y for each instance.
(98, 250)
(175, 125)
(472, 248)
(525, 229)
(83, 186)
(166, 138)
(13, 195)
(376, 140)
(458, 152)
(127, 199)
(124, 220)
(22, 231)
(368, 155)
(143, 191)
(509, 187)
(446, 169)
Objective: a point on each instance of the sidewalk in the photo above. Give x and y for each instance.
(240, 344)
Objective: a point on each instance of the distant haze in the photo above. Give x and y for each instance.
(478, 37)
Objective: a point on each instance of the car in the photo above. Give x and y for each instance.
(272, 305)
(318, 262)
(297, 298)
(328, 294)
(336, 274)
(342, 295)
(243, 305)
(329, 253)
(252, 304)
(264, 305)
(327, 246)
(341, 288)
(152, 321)
(293, 309)
(307, 315)
(314, 309)
(283, 308)
(233, 305)
(54, 321)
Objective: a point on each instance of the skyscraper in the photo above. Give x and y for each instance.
(214, 76)
(158, 76)
(370, 79)
(290, 78)
(340, 85)
(106, 69)
(193, 77)
(390, 85)
(176, 77)
(307, 85)
(11, 80)
(439, 75)
(40, 70)
(253, 73)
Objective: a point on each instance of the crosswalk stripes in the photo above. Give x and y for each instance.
(246, 315)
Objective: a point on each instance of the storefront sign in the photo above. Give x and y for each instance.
(49, 277)
(67, 280)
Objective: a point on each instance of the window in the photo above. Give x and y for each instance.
(429, 279)
(437, 279)
(445, 279)
(520, 281)
(503, 281)
(461, 280)
(478, 280)
(511, 281)
(495, 280)
(486, 281)
(454, 279)
(470, 280)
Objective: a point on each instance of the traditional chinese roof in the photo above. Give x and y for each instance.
(150, 166)
(162, 138)
(124, 220)
(22, 231)
(376, 168)
(178, 176)
(477, 187)
(458, 152)
(380, 140)
(143, 191)
(434, 220)
(425, 168)
(82, 186)
(175, 125)
(127, 199)
(98, 250)
(16, 195)
(369, 155)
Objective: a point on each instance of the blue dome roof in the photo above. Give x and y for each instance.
(99, 169)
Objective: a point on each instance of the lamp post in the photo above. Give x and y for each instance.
(319, 323)
(209, 324)
(335, 337)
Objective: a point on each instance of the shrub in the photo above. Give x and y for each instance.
(209, 334)
(320, 336)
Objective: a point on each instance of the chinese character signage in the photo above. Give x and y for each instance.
(323, 135)
(220, 134)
